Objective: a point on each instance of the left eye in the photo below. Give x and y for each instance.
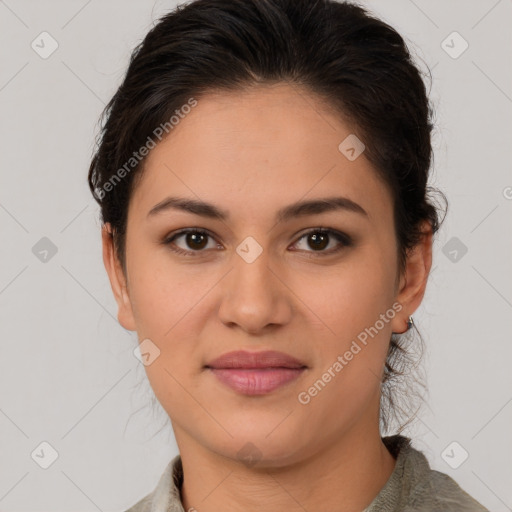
(321, 239)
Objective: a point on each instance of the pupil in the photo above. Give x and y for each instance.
(194, 239)
(319, 240)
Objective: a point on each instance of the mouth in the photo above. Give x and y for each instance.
(243, 359)
(256, 373)
(256, 381)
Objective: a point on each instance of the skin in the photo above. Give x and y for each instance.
(252, 153)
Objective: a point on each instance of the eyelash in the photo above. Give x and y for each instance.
(345, 241)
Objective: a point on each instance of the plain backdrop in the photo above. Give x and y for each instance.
(68, 375)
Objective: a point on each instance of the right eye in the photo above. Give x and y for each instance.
(193, 241)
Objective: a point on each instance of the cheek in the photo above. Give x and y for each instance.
(350, 361)
(350, 298)
(169, 306)
(164, 294)
(350, 302)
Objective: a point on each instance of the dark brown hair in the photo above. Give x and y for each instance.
(357, 64)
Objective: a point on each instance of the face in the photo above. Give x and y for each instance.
(312, 284)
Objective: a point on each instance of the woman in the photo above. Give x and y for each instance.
(267, 232)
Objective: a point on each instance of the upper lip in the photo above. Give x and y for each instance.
(266, 359)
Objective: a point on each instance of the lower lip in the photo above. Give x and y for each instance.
(256, 381)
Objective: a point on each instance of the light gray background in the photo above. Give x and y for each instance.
(68, 375)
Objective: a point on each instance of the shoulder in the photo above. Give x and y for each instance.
(165, 497)
(415, 487)
(438, 491)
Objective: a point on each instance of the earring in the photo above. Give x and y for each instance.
(410, 323)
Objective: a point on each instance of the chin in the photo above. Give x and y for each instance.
(260, 450)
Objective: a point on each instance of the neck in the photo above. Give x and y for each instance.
(346, 476)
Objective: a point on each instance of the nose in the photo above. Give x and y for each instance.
(254, 297)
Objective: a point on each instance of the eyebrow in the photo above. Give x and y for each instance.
(298, 209)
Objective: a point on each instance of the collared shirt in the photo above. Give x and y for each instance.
(412, 487)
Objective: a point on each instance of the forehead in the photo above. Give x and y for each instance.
(259, 149)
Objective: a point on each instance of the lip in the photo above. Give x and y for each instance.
(242, 359)
(256, 381)
(256, 373)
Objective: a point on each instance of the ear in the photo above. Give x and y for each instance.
(117, 279)
(413, 280)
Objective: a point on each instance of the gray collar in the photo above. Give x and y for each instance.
(412, 487)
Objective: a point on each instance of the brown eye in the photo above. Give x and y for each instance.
(191, 242)
(196, 240)
(317, 240)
